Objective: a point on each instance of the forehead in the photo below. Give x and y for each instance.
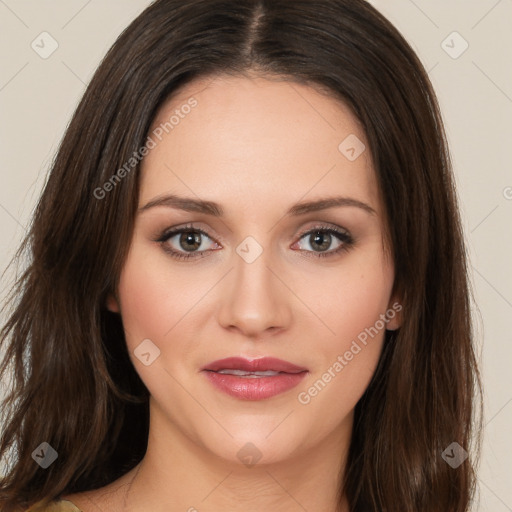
(252, 142)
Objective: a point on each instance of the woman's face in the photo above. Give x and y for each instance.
(272, 272)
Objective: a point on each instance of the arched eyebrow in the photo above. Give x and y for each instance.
(214, 209)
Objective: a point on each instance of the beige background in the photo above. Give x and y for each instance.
(38, 96)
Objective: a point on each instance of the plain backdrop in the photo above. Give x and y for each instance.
(466, 46)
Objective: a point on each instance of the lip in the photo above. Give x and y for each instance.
(254, 388)
(261, 364)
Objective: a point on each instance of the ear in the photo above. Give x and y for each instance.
(112, 304)
(394, 313)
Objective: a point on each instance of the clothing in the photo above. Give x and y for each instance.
(55, 506)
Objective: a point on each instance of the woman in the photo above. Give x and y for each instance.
(247, 285)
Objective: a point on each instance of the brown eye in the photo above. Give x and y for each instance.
(190, 240)
(185, 242)
(320, 239)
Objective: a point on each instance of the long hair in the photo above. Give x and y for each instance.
(73, 384)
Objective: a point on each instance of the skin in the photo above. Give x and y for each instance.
(255, 146)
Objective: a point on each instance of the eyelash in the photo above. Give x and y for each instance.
(343, 236)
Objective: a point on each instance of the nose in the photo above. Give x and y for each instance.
(255, 301)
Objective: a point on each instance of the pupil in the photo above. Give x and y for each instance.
(318, 236)
(192, 238)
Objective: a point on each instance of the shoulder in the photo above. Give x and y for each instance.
(105, 498)
(55, 506)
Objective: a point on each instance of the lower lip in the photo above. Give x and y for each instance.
(254, 388)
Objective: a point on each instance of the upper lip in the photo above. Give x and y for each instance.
(254, 365)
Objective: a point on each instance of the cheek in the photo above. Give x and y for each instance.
(156, 303)
(351, 298)
(350, 305)
(141, 298)
(358, 304)
(153, 298)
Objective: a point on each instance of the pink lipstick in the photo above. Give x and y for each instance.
(253, 379)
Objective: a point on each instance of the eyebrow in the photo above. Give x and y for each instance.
(214, 209)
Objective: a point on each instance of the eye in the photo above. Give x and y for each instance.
(320, 238)
(188, 240)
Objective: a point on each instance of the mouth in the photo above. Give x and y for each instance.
(255, 379)
(249, 375)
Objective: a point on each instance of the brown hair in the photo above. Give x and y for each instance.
(74, 385)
